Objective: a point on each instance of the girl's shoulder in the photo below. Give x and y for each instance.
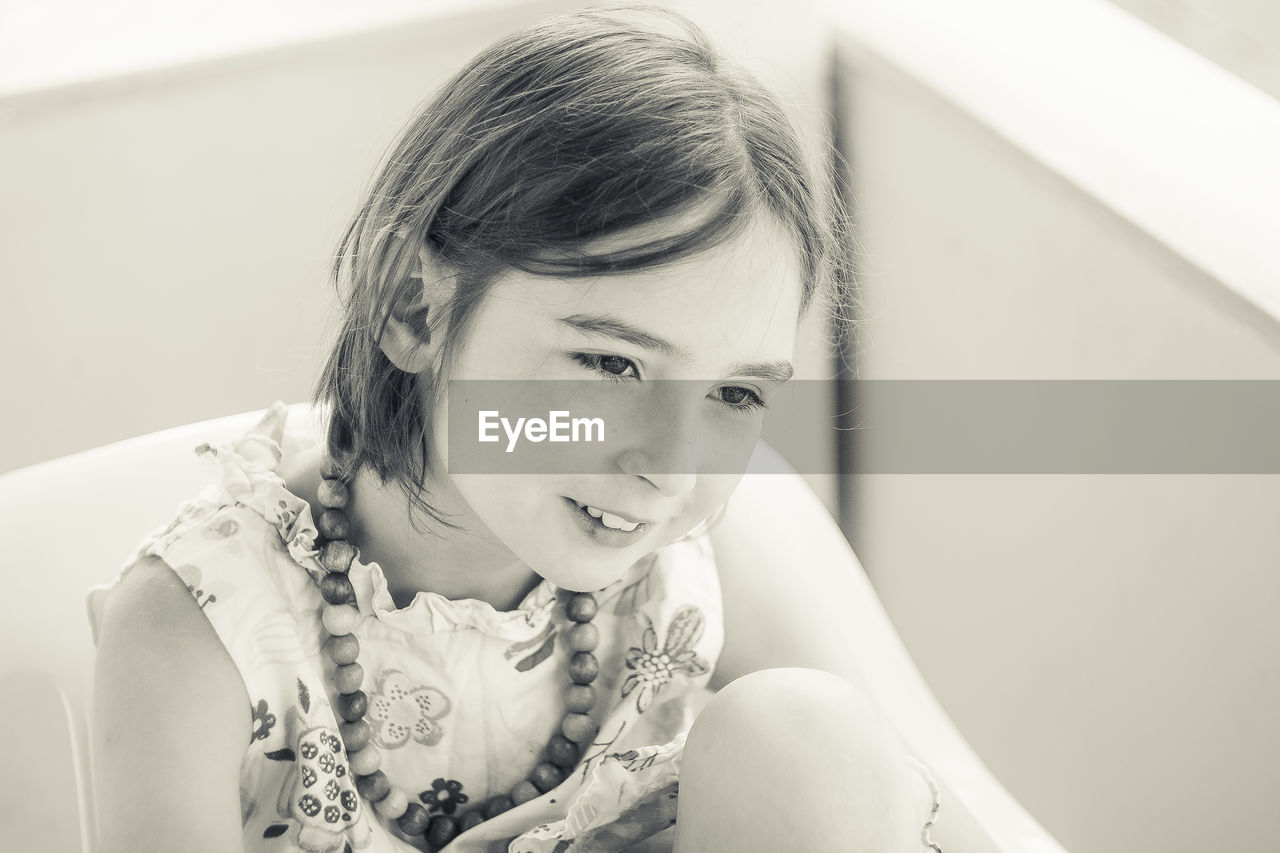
(241, 547)
(258, 490)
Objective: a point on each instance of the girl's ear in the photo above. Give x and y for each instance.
(407, 347)
(406, 340)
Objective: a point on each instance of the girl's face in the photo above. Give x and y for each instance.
(723, 322)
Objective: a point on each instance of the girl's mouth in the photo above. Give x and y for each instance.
(605, 527)
(608, 519)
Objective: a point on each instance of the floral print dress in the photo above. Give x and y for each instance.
(462, 697)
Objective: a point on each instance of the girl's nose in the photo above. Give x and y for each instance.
(663, 448)
(672, 474)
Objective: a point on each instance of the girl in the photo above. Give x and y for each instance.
(342, 645)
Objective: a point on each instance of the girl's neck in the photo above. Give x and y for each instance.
(428, 557)
(457, 564)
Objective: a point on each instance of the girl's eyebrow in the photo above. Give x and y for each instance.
(769, 371)
(614, 328)
(593, 324)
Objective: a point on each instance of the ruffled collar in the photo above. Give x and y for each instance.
(248, 468)
(431, 612)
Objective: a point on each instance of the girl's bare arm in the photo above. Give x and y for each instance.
(171, 722)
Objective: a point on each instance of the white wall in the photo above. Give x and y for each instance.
(1106, 643)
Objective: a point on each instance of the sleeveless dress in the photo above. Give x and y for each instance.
(462, 697)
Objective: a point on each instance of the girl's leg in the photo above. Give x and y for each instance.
(797, 759)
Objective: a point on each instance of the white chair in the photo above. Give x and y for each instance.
(69, 524)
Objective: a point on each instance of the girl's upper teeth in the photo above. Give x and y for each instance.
(608, 519)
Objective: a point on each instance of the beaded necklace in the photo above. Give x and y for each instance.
(340, 617)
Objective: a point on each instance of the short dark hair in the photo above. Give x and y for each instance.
(579, 127)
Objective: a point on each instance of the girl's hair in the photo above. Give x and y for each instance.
(580, 127)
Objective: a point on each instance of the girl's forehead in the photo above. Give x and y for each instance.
(745, 292)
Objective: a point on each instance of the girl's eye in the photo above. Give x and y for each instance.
(617, 365)
(616, 368)
(741, 399)
(613, 367)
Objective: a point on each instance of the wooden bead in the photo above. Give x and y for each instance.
(546, 776)
(329, 468)
(393, 805)
(336, 588)
(563, 752)
(336, 556)
(334, 524)
(470, 820)
(584, 637)
(342, 649)
(333, 494)
(366, 761)
(583, 667)
(352, 706)
(578, 698)
(348, 678)
(441, 830)
(414, 821)
(578, 728)
(339, 619)
(374, 786)
(497, 805)
(355, 735)
(524, 792)
(582, 607)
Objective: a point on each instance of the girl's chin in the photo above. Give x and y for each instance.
(590, 581)
(582, 573)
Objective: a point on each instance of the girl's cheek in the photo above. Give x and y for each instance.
(705, 507)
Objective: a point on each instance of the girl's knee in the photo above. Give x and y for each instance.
(823, 741)
(779, 705)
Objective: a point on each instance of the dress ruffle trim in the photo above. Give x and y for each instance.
(246, 471)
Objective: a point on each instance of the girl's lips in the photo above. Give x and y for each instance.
(626, 518)
(598, 532)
